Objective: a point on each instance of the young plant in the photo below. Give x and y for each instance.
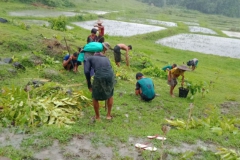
(227, 154)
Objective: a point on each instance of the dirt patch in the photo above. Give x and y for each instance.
(37, 4)
(54, 47)
(9, 138)
(184, 147)
(231, 108)
(53, 152)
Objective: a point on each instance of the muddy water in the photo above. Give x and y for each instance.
(118, 28)
(232, 34)
(41, 13)
(164, 23)
(191, 23)
(205, 44)
(98, 12)
(201, 30)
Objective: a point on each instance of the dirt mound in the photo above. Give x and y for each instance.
(37, 4)
(231, 108)
(54, 47)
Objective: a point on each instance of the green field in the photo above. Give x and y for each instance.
(133, 120)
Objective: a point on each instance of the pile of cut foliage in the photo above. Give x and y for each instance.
(49, 104)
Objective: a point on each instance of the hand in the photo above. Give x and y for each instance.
(90, 89)
(182, 84)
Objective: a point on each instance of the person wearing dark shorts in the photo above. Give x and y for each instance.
(103, 84)
(144, 88)
(193, 63)
(117, 53)
(173, 74)
(71, 63)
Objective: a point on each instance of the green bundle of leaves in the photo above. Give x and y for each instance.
(47, 105)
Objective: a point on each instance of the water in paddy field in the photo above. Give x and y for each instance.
(201, 30)
(205, 44)
(119, 28)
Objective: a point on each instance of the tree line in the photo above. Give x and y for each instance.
(230, 8)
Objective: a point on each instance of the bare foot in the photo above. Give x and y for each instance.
(109, 117)
(172, 95)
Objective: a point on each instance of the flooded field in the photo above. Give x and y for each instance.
(232, 34)
(41, 13)
(164, 23)
(196, 29)
(119, 28)
(205, 44)
(98, 12)
(191, 23)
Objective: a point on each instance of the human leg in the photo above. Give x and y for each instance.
(96, 108)
(109, 105)
(117, 55)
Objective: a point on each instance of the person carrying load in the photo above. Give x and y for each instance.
(103, 83)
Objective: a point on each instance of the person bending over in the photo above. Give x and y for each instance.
(71, 63)
(193, 63)
(117, 53)
(173, 74)
(169, 67)
(144, 87)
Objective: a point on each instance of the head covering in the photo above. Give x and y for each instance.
(183, 67)
(106, 45)
(99, 22)
(94, 30)
(139, 75)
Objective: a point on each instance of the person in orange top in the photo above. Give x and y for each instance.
(173, 74)
(100, 31)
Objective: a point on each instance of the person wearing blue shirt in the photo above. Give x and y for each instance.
(144, 87)
(71, 63)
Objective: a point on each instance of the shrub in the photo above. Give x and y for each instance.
(58, 23)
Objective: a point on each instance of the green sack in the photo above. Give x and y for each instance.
(93, 47)
(80, 57)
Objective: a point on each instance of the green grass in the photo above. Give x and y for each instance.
(143, 118)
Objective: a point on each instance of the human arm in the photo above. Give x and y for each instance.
(75, 68)
(169, 76)
(89, 39)
(137, 90)
(182, 80)
(87, 70)
(66, 60)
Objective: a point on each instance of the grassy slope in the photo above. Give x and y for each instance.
(143, 118)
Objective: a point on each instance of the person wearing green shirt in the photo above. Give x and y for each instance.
(144, 87)
(169, 67)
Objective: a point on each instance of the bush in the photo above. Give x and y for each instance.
(58, 23)
(155, 72)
